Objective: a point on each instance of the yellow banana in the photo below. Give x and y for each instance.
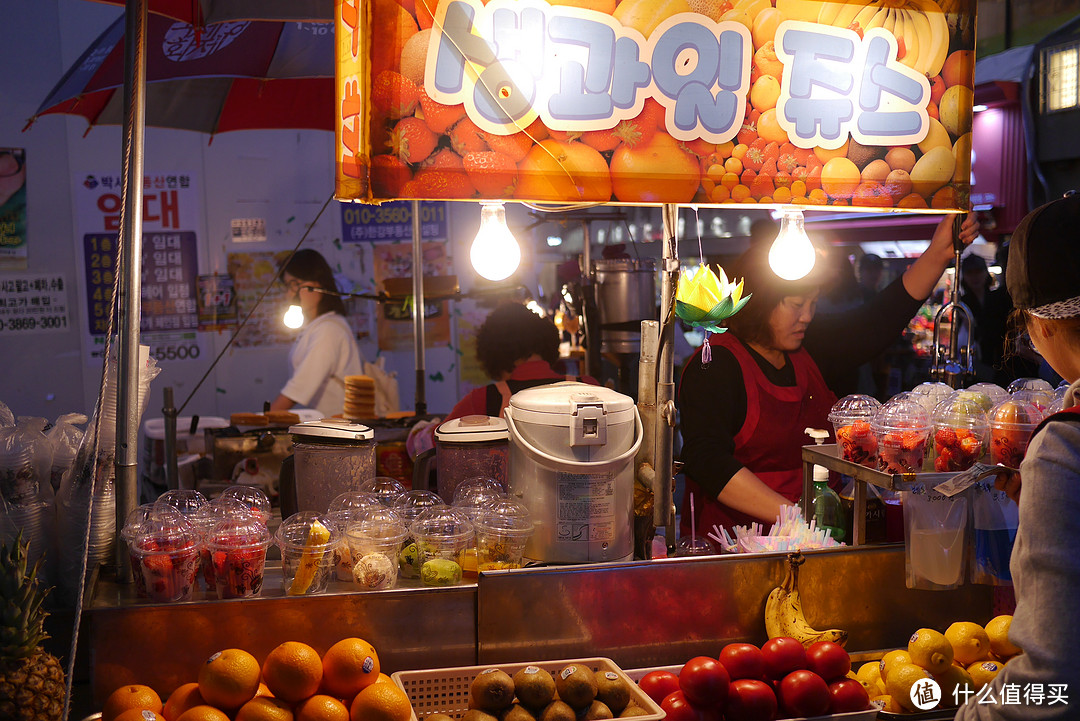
(310, 558)
(827, 14)
(784, 614)
(939, 34)
(905, 28)
(922, 29)
(850, 11)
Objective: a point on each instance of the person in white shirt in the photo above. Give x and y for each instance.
(326, 350)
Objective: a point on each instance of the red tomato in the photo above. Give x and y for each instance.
(828, 660)
(705, 682)
(847, 694)
(782, 656)
(657, 685)
(743, 660)
(804, 693)
(750, 700)
(678, 708)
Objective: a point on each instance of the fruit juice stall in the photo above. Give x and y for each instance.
(793, 104)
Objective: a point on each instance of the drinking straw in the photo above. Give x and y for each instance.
(693, 521)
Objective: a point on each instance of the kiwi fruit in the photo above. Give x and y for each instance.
(517, 712)
(475, 714)
(492, 690)
(862, 155)
(534, 686)
(576, 686)
(596, 710)
(556, 711)
(612, 691)
(633, 710)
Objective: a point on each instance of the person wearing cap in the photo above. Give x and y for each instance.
(325, 351)
(743, 415)
(1043, 277)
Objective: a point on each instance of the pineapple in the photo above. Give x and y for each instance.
(31, 680)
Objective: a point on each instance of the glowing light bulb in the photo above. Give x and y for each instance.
(792, 254)
(495, 254)
(294, 317)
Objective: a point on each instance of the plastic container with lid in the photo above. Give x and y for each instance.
(502, 529)
(931, 393)
(1028, 384)
(349, 500)
(1012, 422)
(238, 546)
(851, 417)
(996, 393)
(961, 431)
(385, 489)
(443, 535)
(186, 501)
(307, 541)
(409, 506)
(902, 428)
(165, 546)
(331, 456)
(470, 446)
(254, 501)
(375, 539)
(1041, 398)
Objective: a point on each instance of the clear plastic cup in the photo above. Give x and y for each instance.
(187, 501)
(375, 544)
(851, 417)
(982, 399)
(932, 393)
(386, 489)
(483, 486)
(205, 519)
(1023, 384)
(409, 506)
(254, 499)
(1041, 398)
(237, 548)
(961, 431)
(443, 536)
(995, 392)
(165, 547)
(503, 528)
(359, 500)
(902, 428)
(306, 540)
(1011, 424)
(343, 563)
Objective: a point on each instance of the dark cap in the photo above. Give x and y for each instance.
(1043, 274)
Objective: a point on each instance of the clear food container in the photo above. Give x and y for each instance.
(1011, 424)
(306, 540)
(851, 417)
(237, 548)
(166, 550)
(502, 529)
(375, 540)
(443, 536)
(902, 428)
(961, 432)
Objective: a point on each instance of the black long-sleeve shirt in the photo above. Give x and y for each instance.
(712, 401)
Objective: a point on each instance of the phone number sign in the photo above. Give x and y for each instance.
(33, 304)
(392, 221)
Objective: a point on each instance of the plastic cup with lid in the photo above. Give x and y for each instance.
(409, 506)
(1012, 422)
(992, 390)
(237, 547)
(254, 499)
(134, 525)
(1041, 398)
(443, 536)
(306, 540)
(471, 497)
(384, 488)
(931, 393)
(1028, 384)
(961, 431)
(357, 500)
(204, 520)
(902, 428)
(375, 544)
(503, 528)
(343, 563)
(851, 417)
(165, 547)
(187, 501)
(693, 546)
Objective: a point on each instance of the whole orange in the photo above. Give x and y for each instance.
(349, 665)
(229, 678)
(292, 671)
(131, 696)
(321, 707)
(181, 699)
(264, 708)
(203, 713)
(381, 702)
(563, 171)
(658, 171)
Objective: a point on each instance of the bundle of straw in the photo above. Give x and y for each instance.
(789, 532)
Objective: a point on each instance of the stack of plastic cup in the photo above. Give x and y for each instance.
(1012, 421)
(443, 536)
(19, 479)
(902, 427)
(503, 528)
(409, 506)
(375, 544)
(165, 547)
(237, 547)
(254, 499)
(307, 541)
(386, 489)
(851, 417)
(961, 431)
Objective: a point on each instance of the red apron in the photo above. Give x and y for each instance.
(771, 438)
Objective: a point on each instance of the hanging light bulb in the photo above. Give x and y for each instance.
(495, 254)
(294, 317)
(792, 254)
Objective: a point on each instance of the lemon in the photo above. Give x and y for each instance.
(984, 672)
(886, 703)
(969, 641)
(900, 680)
(951, 680)
(931, 650)
(869, 675)
(998, 633)
(891, 659)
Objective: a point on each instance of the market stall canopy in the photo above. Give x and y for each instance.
(206, 12)
(222, 77)
(805, 102)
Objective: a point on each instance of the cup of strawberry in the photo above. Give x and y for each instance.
(961, 432)
(851, 417)
(902, 428)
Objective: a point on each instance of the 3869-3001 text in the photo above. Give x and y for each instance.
(48, 322)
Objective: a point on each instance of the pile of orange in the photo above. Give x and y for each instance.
(293, 683)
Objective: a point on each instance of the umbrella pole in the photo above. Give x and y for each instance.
(130, 285)
(418, 309)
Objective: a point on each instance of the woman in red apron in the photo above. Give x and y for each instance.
(743, 414)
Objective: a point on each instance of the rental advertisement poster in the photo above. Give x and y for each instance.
(865, 103)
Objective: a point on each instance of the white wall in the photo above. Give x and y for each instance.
(282, 176)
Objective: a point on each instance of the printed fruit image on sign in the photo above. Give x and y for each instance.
(865, 103)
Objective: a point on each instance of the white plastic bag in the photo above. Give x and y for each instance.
(65, 437)
(387, 399)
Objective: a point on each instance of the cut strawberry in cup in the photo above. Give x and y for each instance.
(961, 432)
(851, 417)
(902, 427)
(237, 548)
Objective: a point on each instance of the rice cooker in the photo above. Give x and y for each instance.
(572, 448)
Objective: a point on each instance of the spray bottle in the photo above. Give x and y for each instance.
(827, 509)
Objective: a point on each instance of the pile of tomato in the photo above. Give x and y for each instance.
(781, 679)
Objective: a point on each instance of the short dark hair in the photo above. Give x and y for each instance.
(310, 266)
(767, 291)
(870, 261)
(512, 333)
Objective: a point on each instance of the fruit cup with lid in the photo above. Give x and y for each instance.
(1011, 424)
(902, 427)
(961, 431)
(851, 417)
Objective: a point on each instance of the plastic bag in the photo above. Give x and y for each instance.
(935, 547)
(65, 437)
(387, 398)
(995, 518)
(25, 459)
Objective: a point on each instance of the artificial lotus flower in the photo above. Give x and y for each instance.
(703, 300)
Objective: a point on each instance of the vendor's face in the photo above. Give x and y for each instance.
(301, 292)
(789, 319)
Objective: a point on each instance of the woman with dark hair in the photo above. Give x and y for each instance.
(743, 415)
(325, 351)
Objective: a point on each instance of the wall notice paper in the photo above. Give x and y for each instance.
(395, 325)
(33, 304)
(169, 260)
(217, 302)
(13, 241)
(248, 230)
(252, 273)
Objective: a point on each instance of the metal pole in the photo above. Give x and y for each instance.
(130, 269)
(169, 413)
(645, 463)
(665, 370)
(418, 309)
(590, 311)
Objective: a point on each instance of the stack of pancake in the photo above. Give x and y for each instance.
(359, 397)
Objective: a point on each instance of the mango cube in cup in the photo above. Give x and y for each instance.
(307, 541)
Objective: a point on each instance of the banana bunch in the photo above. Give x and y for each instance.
(784, 613)
(919, 26)
(961, 17)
